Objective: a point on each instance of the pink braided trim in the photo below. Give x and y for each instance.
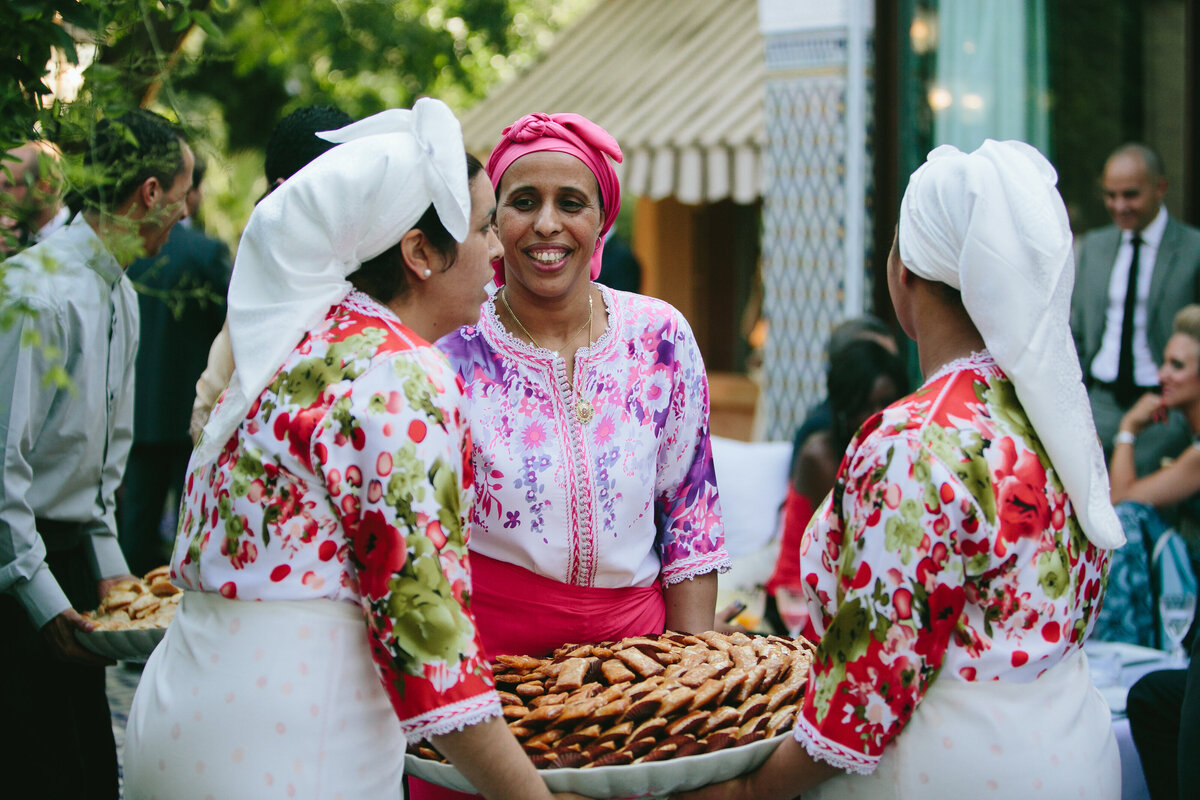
(697, 565)
(451, 718)
(831, 752)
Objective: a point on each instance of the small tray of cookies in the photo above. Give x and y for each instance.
(647, 715)
(133, 616)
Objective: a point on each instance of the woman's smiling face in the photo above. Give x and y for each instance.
(549, 214)
(1179, 374)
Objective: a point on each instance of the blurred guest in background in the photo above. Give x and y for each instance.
(1133, 276)
(66, 410)
(1150, 505)
(864, 378)
(31, 195)
(182, 306)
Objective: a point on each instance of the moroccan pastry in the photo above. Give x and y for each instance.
(649, 698)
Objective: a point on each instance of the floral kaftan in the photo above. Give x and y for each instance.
(350, 479)
(947, 551)
(618, 501)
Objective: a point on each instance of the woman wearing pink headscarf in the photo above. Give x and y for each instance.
(596, 512)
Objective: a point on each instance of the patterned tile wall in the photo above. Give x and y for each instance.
(804, 220)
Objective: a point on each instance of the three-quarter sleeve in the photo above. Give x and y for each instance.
(899, 523)
(394, 454)
(688, 510)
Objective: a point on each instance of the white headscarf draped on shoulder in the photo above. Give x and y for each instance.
(992, 225)
(345, 207)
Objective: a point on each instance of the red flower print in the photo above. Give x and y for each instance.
(902, 602)
(228, 590)
(327, 550)
(298, 430)
(417, 431)
(280, 572)
(381, 551)
(1024, 510)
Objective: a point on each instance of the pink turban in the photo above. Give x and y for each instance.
(562, 133)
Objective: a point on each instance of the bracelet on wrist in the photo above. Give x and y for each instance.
(1124, 437)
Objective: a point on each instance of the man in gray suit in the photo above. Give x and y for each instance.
(1132, 277)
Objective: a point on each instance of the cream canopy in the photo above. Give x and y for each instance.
(679, 83)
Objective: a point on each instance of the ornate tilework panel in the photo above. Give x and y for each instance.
(804, 217)
(803, 231)
(806, 50)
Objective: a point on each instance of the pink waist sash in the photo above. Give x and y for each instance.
(522, 613)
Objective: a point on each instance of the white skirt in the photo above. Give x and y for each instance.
(262, 700)
(1051, 738)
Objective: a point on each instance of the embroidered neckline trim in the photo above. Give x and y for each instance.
(979, 359)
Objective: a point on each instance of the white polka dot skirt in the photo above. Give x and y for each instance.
(262, 700)
(1050, 738)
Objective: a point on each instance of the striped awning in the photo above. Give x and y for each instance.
(679, 83)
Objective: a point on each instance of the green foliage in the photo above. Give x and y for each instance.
(227, 70)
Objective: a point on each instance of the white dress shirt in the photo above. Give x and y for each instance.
(1145, 365)
(64, 446)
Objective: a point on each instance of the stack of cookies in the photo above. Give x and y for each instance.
(650, 698)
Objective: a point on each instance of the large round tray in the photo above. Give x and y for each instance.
(653, 779)
(126, 645)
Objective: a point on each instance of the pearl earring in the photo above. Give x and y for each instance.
(428, 272)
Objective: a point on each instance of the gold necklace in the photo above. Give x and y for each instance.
(584, 410)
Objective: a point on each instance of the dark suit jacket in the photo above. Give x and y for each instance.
(1175, 284)
(177, 328)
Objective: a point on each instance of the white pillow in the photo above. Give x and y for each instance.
(752, 479)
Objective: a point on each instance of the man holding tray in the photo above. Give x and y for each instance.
(68, 338)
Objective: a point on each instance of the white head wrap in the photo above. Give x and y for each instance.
(345, 207)
(992, 225)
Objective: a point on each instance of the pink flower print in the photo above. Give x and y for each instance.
(535, 436)
(605, 430)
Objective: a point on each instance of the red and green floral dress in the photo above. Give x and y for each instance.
(350, 480)
(947, 551)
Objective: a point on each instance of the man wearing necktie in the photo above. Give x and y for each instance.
(1132, 277)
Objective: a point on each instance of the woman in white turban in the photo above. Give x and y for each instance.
(322, 546)
(958, 566)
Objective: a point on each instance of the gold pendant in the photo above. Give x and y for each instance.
(584, 411)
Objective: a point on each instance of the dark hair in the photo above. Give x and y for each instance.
(384, 277)
(198, 170)
(122, 154)
(294, 142)
(853, 371)
(855, 328)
